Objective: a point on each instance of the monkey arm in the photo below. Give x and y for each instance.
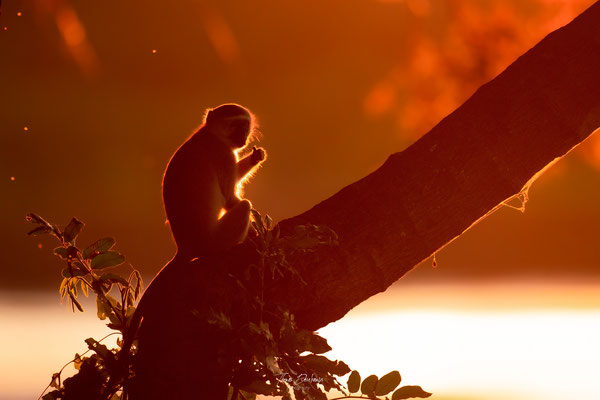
(243, 167)
(247, 164)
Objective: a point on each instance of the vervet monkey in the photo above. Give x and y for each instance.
(206, 215)
(202, 180)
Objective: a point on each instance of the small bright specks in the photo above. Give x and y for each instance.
(12, 178)
(153, 51)
(40, 246)
(6, 28)
(19, 14)
(25, 128)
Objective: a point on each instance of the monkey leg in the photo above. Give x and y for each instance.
(232, 227)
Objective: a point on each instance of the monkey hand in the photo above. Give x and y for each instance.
(232, 202)
(258, 155)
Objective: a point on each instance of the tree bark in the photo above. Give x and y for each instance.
(420, 199)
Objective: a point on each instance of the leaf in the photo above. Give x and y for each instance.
(100, 349)
(84, 287)
(49, 228)
(103, 308)
(62, 252)
(72, 230)
(108, 259)
(63, 287)
(66, 252)
(98, 247)
(114, 302)
(258, 386)
(300, 230)
(75, 302)
(368, 384)
(36, 219)
(272, 365)
(219, 319)
(247, 395)
(113, 278)
(354, 382)
(138, 284)
(40, 230)
(387, 383)
(305, 242)
(340, 369)
(130, 311)
(55, 383)
(319, 364)
(115, 326)
(53, 395)
(115, 321)
(66, 273)
(408, 392)
(318, 344)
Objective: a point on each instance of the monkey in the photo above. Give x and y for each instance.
(201, 195)
(201, 182)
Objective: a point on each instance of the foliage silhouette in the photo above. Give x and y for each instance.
(264, 352)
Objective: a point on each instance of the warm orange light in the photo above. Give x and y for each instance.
(25, 128)
(40, 246)
(220, 34)
(590, 150)
(74, 36)
(19, 14)
(381, 99)
(153, 51)
(455, 51)
(493, 342)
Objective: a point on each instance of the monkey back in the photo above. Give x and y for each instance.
(197, 183)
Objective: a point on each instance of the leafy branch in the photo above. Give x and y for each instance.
(85, 271)
(372, 387)
(265, 351)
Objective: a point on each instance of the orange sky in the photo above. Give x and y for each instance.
(96, 96)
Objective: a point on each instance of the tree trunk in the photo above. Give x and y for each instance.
(489, 149)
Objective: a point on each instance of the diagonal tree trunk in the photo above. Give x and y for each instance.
(489, 149)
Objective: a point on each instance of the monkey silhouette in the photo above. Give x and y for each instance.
(201, 182)
(176, 356)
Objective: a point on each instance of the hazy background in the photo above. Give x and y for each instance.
(96, 96)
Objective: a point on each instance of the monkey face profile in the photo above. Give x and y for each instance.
(238, 131)
(232, 124)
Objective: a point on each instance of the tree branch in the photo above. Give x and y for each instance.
(420, 199)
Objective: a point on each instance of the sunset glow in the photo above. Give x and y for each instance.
(469, 342)
(479, 342)
(429, 145)
(73, 33)
(220, 34)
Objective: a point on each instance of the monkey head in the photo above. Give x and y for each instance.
(231, 123)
